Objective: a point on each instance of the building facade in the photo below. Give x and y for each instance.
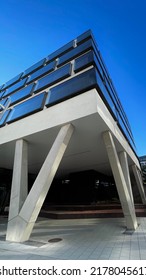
(63, 116)
(142, 160)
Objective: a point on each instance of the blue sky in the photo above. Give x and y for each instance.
(32, 29)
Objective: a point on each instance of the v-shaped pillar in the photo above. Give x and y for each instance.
(24, 209)
(121, 180)
(125, 168)
(139, 182)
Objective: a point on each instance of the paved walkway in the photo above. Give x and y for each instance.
(80, 239)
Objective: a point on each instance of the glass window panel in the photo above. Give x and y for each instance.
(84, 36)
(54, 77)
(45, 70)
(2, 93)
(4, 117)
(118, 105)
(105, 95)
(126, 132)
(102, 64)
(75, 52)
(22, 94)
(34, 67)
(28, 107)
(125, 124)
(13, 81)
(111, 98)
(1, 87)
(84, 61)
(72, 87)
(2, 102)
(15, 87)
(112, 107)
(110, 91)
(98, 65)
(62, 50)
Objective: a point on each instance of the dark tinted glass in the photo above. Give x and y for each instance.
(34, 67)
(84, 36)
(28, 107)
(38, 74)
(111, 104)
(76, 51)
(117, 103)
(15, 87)
(2, 93)
(84, 61)
(54, 77)
(105, 95)
(5, 103)
(13, 81)
(125, 124)
(1, 87)
(4, 117)
(98, 65)
(62, 50)
(22, 94)
(2, 102)
(126, 132)
(74, 86)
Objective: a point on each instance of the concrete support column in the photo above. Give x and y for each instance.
(125, 169)
(129, 213)
(19, 188)
(20, 227)
(139, 182)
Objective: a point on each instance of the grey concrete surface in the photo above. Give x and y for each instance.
(94, 239)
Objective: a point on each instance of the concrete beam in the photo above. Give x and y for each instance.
(20, 227)
(139, 182)
(129, 213)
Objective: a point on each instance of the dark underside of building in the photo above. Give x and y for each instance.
(80, 188)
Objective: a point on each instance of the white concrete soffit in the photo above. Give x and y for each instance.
(71, 110)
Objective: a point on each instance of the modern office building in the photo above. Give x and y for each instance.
(62, 118)
(142, 160)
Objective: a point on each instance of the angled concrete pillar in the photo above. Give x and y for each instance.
(20, 227)
(139, 182)
(129, 213)
(19, 188)
(125, 168)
